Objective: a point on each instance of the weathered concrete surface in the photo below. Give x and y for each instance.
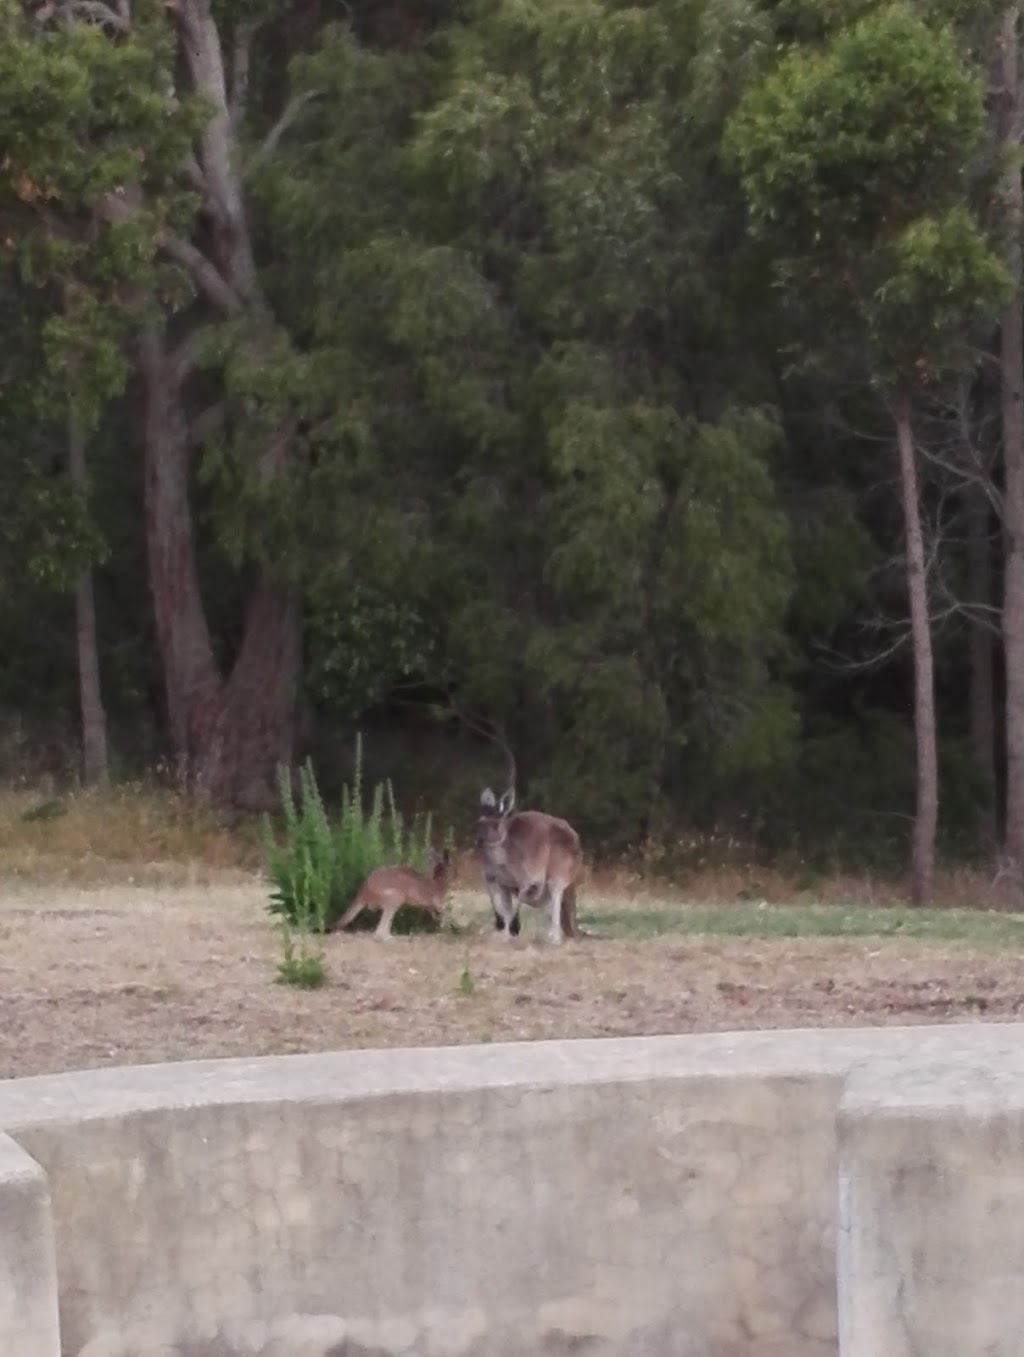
(670, 1197)
(931, 1241)
(497, 1221)
(28, 1269)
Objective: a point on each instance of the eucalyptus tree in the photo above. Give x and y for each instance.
(854, 155)
(124, 136)
(538, 375)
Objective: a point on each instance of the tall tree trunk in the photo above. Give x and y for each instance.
(1012, 399)
(981, 648)
(248, 731)
(926, 818)
(229, 734)
(191, 678)
(94, 722)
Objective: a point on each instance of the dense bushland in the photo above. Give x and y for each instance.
(623, 397)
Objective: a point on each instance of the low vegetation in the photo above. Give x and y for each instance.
(316, 865)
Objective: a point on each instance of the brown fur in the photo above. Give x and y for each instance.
(389, 888)
(528, 856)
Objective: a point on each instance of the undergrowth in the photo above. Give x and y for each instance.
(327, 861)
(302, 965)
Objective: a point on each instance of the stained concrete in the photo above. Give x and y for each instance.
(670, 1197)
(28, 1265)
(931, 1241)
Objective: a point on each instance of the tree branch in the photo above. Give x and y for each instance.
(206, 276)
(207, 422)
(182, 358)
(195, 176)
(218, 149)
(240, 57)
(287, 118)
(95, 11)
(488, 729)
(275, 454)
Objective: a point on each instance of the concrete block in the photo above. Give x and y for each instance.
(930, 1256)
(28, 1270)
(617, 1198)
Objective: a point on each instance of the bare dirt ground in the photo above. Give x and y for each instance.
(129, 973)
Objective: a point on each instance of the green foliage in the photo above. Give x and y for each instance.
(303, 966)
(318, 868)
(525, 503)
(305, 970)
(363, 641)
(864, 207)
(90, 155)
(810, 22)
(823, 148)
(550, 459)
(57, 536)
(85, 129)
(942, 276)
(466, 986)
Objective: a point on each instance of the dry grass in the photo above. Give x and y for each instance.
(144, 833)
(127, 974)
(133, 929)
(140, 833)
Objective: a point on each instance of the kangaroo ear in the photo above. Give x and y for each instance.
(488, 799)
(507, 802)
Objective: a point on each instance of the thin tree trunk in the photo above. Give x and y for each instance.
(1012, 398)
(981, 649)
(926, 818)
(94, 722)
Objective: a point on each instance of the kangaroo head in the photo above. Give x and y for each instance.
(492, 822)
(491, 832)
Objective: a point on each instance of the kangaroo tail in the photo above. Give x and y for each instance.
(570, 925)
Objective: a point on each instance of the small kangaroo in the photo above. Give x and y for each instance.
(389, 888)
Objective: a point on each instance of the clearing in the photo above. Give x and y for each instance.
(129, 972)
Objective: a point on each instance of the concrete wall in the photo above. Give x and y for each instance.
(670, 1197)
(28, 1265)
(931, 1241)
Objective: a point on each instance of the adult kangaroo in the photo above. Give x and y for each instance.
(528, 856)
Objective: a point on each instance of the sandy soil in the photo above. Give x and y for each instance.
(129, 974)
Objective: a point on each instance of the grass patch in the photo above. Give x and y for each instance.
(466, 986)
(981, 927)
(304, 972)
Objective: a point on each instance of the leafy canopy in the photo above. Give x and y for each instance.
(864, 208)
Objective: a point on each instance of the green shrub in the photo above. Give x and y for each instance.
(304, 966)
(325, 863)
